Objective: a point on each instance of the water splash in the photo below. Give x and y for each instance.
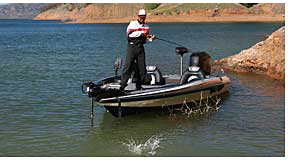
(147, 148)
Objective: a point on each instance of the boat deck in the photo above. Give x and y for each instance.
(170, 80)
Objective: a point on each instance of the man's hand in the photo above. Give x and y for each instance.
(146, 33)
(151, 37)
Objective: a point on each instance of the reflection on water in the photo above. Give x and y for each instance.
(257, 89)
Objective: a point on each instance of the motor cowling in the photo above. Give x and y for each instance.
(202, 60)
(199, 67)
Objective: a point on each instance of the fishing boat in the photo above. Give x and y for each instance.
(159, 92)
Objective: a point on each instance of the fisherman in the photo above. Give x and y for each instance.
(138, 33)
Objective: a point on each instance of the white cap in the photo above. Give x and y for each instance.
(142, 12)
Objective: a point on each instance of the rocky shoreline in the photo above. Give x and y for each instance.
(266, 57)
(193, 18)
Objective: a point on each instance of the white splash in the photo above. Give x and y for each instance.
(147, 148)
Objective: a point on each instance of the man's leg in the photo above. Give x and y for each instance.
(136, 75)
(141, 67)
(127, 70)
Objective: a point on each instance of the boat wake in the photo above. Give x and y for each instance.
(147, 148)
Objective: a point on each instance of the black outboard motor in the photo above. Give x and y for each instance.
(199, 67)
(202, 60)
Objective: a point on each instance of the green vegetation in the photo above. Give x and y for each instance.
(188, 6)
(72, 6)
(151, 6)
(50, 6)
(248, 5)
(183, 7)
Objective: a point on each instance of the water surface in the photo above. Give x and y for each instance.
(44, 113)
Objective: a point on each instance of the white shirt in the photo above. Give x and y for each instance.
(135, 29)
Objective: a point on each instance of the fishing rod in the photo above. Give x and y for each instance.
(169, 42)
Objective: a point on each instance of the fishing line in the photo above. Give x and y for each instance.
(174, 43)
(170, 42)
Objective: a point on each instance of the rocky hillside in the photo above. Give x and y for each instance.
(266, 57)
(164, 12)
(218, 9)
(90, 12)
(268, 8)
(21, 10)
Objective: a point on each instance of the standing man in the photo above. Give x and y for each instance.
(137, 36)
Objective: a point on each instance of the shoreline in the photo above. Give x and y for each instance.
(183, 19)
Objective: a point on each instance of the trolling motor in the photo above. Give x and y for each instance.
(93, 91)
(97, 91)
(88, 88)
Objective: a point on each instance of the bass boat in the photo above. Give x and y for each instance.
(159, 92)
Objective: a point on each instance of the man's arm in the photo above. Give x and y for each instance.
(135, 31)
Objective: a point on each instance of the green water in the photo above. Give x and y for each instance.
(44, 113)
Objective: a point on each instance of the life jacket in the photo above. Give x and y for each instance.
(137, 32)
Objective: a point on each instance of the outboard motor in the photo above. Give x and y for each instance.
(202, 60)
(199, 67)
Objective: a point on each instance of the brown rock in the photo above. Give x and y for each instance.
(266, 57)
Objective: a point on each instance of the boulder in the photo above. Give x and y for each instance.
(266, 57)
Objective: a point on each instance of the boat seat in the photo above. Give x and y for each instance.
(199, 67)
(190, 74)
(154, 76)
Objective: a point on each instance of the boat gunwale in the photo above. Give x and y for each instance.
(163, 93)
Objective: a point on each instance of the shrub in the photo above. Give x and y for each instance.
(50, 6)
(248, 5)
(151, 6)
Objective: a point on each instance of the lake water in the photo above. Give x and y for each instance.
(44, 113)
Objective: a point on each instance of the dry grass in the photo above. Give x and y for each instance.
(201, 107)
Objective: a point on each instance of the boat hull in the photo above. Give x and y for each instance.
(163, 99)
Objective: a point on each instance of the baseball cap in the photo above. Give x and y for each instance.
(142, 12)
